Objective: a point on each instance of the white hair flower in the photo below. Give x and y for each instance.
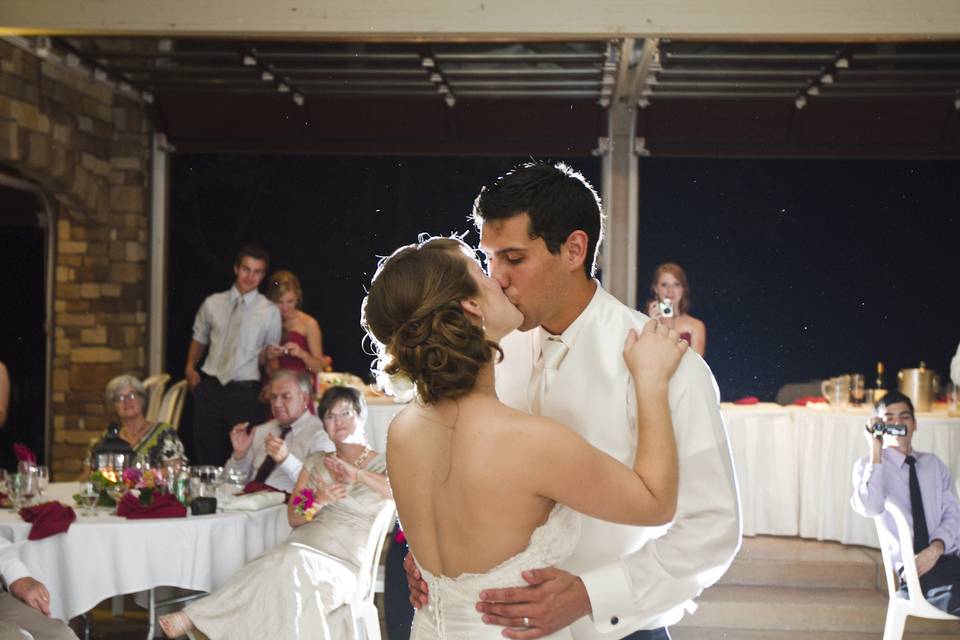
(398, 385)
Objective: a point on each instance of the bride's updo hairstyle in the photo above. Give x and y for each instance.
(421, 332)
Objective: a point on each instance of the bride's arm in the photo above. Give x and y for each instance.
(593, 482)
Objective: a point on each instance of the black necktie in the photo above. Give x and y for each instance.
(921, 537)
(269, 464)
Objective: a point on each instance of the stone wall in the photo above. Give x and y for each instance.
(88, 146)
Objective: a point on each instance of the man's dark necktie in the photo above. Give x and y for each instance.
(269, 464)
(921, 537)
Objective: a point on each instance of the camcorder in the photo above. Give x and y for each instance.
(880, 428)
(666, 308)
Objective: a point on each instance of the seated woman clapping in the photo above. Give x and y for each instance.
(292, 590)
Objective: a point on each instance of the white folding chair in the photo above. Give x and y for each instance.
(154, 386)
(899, 608)
(366, 621)
(171, 407)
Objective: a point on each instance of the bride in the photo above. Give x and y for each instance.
(478, 485)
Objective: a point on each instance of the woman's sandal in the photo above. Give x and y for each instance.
(176, 625)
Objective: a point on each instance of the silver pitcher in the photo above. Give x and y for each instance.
(920, 385)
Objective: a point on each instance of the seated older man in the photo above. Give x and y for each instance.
(273, 452)
(27, 605)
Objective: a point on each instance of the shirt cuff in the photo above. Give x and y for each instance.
(14, 571)
(610, 597)
(291, 466)
(945, 536)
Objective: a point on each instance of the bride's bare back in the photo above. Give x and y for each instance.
(472, 478)
(458, 475)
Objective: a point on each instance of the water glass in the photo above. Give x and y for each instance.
(43, 479)
(22, 489)
(89, 495)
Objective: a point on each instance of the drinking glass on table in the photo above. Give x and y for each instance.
(21, 490)
(43, 479)
(88, 496)
(3, 480)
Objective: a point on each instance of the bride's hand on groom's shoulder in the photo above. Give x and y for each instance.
(553, 601)
(653, 353)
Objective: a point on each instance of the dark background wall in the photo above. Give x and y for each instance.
(801, 269)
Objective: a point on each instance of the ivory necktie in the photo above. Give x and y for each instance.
(269, 464)
(552, 353)
(921, 537)
(229, 347)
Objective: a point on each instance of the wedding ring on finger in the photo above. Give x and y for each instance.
(526, 622)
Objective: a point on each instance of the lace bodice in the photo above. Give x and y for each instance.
(451, 612)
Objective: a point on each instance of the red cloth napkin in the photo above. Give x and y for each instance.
(163, 506)
(254, 486)
(23, 454)
(803, 400)
(49, 518)
(747, 400)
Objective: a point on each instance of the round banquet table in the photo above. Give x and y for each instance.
(105, 555)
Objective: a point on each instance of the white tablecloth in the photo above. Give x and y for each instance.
(104, 556)
(793, 465)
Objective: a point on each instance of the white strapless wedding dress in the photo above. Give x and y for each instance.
(452, 613)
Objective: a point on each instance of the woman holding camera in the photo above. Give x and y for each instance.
(670, 302)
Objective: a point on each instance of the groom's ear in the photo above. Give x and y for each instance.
(574, 250)
(472, 308)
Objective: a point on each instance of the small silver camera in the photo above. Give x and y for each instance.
(666, 308)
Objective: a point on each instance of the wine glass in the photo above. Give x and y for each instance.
(19, 486)
(3, 480)
(89, 496)
(43, 478)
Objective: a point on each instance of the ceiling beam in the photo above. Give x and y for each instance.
(491, 20)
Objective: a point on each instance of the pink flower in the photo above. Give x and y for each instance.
(132, 477)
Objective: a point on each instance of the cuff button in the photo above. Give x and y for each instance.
(614, 620)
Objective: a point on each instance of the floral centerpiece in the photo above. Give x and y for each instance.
(144, 484)
(112, 486)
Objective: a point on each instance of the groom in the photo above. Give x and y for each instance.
(540, 226)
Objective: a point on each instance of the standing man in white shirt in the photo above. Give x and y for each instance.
(273, 453)
(540, 227)
(235, 325)
(26, 606)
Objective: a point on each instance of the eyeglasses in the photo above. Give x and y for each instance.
(343, 415)
(120, 397)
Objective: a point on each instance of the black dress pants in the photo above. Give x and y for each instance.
(941, 585)
(216, 408)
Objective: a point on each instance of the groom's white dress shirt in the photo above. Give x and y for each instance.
(637, 577)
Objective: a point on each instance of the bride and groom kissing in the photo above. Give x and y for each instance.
(565, 470)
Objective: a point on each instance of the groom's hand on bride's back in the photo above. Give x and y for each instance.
(554, 600)
(418, 588)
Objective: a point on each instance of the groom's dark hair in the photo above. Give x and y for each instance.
(558, 200)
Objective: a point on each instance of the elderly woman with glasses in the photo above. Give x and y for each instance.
(156, 442)
(295, 589)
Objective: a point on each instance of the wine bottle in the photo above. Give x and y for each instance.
(880, 391)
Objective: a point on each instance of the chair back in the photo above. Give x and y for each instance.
(917, 604)
(171, 407)
(375, 541)
(154, 386)
(364, 611)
